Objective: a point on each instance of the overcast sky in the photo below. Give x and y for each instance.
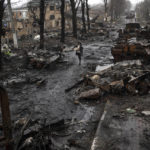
(91, 2)
(98, 1)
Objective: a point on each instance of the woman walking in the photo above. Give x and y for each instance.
(79, 51)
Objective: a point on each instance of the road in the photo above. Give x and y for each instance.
(50, 102)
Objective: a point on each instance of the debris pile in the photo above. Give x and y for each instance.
(41, 58)
(127, 77)
(133, 43)
(38, 134)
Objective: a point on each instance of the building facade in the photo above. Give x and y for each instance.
(26, 18)
(52, 14)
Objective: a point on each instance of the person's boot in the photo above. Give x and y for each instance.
(79, 63)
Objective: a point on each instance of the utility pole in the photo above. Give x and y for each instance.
(12, 24)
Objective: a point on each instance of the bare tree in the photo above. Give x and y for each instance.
(42, 19)
(106, 7)
(1, 28)
(74, 7)
(118, 7)
(87, 13)
(6, 119)
(128, 5)
(62, 21)
(33, 14)
(38, 18)
(83, 15)
(35, 17)
(15, 39)
(143, 10)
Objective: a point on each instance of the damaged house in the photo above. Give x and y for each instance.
(26, 18)
(21, 21)
(52, 13)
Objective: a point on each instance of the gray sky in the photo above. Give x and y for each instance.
(91, 2)
(98, 1)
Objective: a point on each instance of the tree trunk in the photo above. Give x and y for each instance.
(42, 18)
(105, 5)
(1, 29)
(112, 10)
(12, 24)
(87, 13)
(83, 17)
(62, 21)
(0, 39)
(74, 18)
(105, 14)
(6, 118)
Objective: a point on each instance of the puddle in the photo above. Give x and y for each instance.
(88, 114)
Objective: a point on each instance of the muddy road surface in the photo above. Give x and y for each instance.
(41, 93)
(49, 99)
(115, 121)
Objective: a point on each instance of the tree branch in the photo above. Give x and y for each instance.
(78, 3)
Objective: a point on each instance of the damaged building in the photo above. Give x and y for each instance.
(26, 18)
(74, 86)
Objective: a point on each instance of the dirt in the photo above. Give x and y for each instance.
(48, 102)
(124, 131)
(41, 94)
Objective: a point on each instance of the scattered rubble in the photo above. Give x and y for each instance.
(127, 77)
(6, 50)
(131, 77)
(131, 44)
(91, 94)
(42, 59)
(130, 110)
(146, 113)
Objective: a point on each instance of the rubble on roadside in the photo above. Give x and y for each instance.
(91, 94)
(32, 133)
(133, 43)
(131, 75)
(6, 50)
(127, 77)
(146, 113)
(39, 62)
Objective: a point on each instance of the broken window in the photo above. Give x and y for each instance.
(57, 7)
(52, 17)
(34, 24)
(57, 23)
(51, 7)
